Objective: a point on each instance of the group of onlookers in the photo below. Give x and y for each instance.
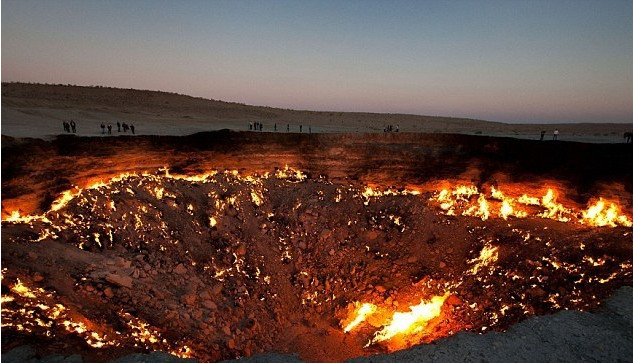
(258, 126)
(119, 126)
(70, 126)
(392, 128)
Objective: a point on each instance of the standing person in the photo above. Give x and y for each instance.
(132, 128)
(118, 125)
(102, 128)
(288, 128)
(261, 126)
(65, 126)
(542, 135)
(73, 125)
(124, 126)
(109, 129)
(275, 127)
(556, 134)
(300, 128)
(310, 129)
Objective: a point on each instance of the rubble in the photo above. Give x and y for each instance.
(232, 288)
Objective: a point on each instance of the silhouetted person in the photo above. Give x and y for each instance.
(124, 126)
(300, 128)
(628, 136)
(109, 129)
(66, 126)
(397, 128)
(132, 128)
(542, 135)
(310, 129)
(288, 128)
(118, 125)
(275, 127)
(73, 126)
(102, 128)
(556, 134)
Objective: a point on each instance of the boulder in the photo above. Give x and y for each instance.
(123, 281)
(209, 304)
(180, 269)
(108, 293)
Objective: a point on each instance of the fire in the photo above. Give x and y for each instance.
(63, 199)
(398, 327)
(554, 210)
(412, 321)
(36, 310)
(361, 312)
(525, 199)
(411, 324)
(22, 290)
(291, 174)
(16, 217)
(508, 207)
(481, 210)
(257, 198)
(460, 200)
(598, 215)
(487, 256)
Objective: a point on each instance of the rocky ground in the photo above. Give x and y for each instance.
(235, 263)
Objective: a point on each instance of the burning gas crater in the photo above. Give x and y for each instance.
(222, 265)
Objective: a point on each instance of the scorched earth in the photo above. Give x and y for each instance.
(223, 265)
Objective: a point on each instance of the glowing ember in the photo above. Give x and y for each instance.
(38, 311)
(487, 256)
(20, 289)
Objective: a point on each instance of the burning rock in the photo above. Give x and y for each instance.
(191, 271)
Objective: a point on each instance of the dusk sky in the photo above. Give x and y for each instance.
(511, 61)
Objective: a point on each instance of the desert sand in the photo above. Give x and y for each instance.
(36, 110)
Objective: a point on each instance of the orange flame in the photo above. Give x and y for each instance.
(598, 215)
(401, 325)
(412, 321)
(361, 312)
(458, 200)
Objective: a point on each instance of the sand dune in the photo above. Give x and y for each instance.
(37, 110)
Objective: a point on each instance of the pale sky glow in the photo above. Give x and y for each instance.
(512, 61)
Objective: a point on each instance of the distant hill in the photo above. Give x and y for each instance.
(37, 110)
